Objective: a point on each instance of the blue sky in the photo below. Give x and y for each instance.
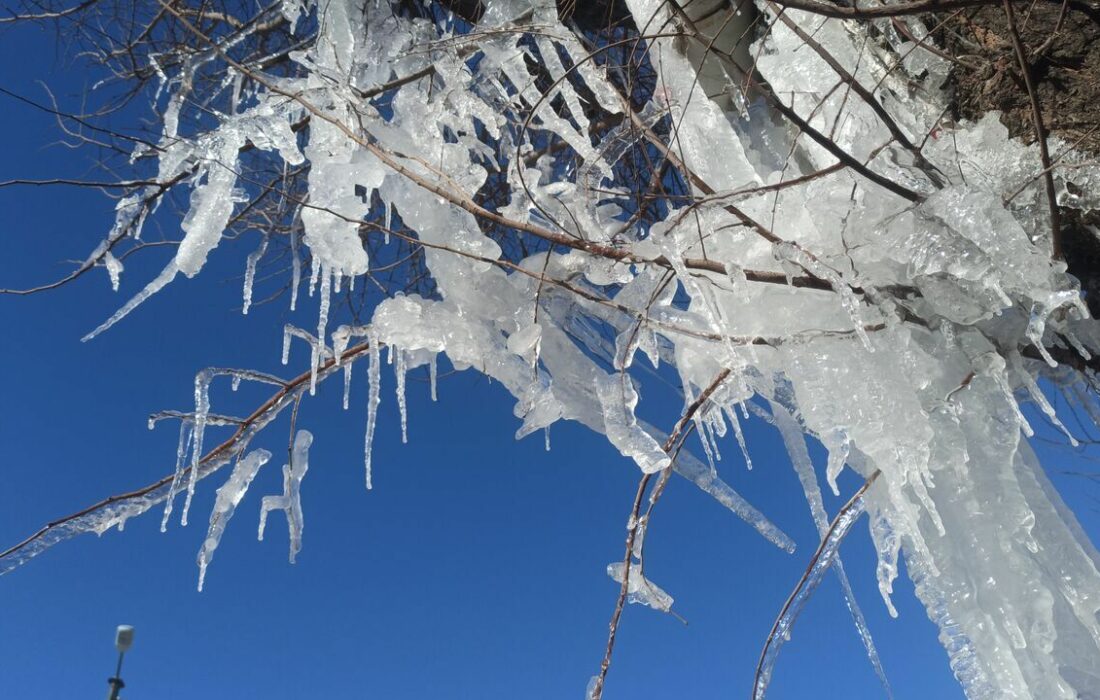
(475, 569)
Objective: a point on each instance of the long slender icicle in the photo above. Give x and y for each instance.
(374, 376)
(314, 274)
(322, 322)
(399, 372)
(347, 384)
(159, 282)
(181, 456)
(202, 409)
(792, 435)
(1040, 398)
(296, 270)
(250, 274)
(740, 435)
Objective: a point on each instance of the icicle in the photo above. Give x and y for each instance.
(286, 343)
(715, 430)
(1039, 397)
(236, 383)
(432, 375)
(228, 498)
(250, 274)
(704, 439)
(347, 384)
(114, 269)
(1037, 324)
(1078, 346)
(202, 408)
(739, 434)
(314, 273)
(291, 500)
(639, 527)
(618, 398)
(341, 338)
(626, 346)
(839, 447)
(399, 372)
(998, 375)
(173, 489)
(687, 466)
(316, 347)
(296, 269)
(795, 443)
(374, 377)
(546, 433)
(887, 547)
(159, 282)
(322, 321)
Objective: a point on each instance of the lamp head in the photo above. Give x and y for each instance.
(124, 637)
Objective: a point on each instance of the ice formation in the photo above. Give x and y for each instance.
(639, 588)
(896, 309)
(290, 502)
(827, 556)
(229, 497)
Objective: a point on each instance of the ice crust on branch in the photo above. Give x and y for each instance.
(899, 331)
(639, 588)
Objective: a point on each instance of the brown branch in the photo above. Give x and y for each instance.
(757, 691)
(903, 8)
(228, 447)
(632, 530)
(466, 202)
(822, 140)
(864, 94)
(1040, 132)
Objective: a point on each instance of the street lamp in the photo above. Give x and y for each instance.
(124, 637)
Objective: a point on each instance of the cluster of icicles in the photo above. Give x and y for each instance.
(920, 387)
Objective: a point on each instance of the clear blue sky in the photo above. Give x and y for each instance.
(475, 569)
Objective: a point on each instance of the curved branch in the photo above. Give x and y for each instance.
(815, 571)
(116, 509)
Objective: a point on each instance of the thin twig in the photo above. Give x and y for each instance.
(632, 530)
(1040, 132)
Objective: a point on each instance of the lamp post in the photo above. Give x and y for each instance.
(124, 637)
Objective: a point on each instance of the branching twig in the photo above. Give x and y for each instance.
(1040, 132)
